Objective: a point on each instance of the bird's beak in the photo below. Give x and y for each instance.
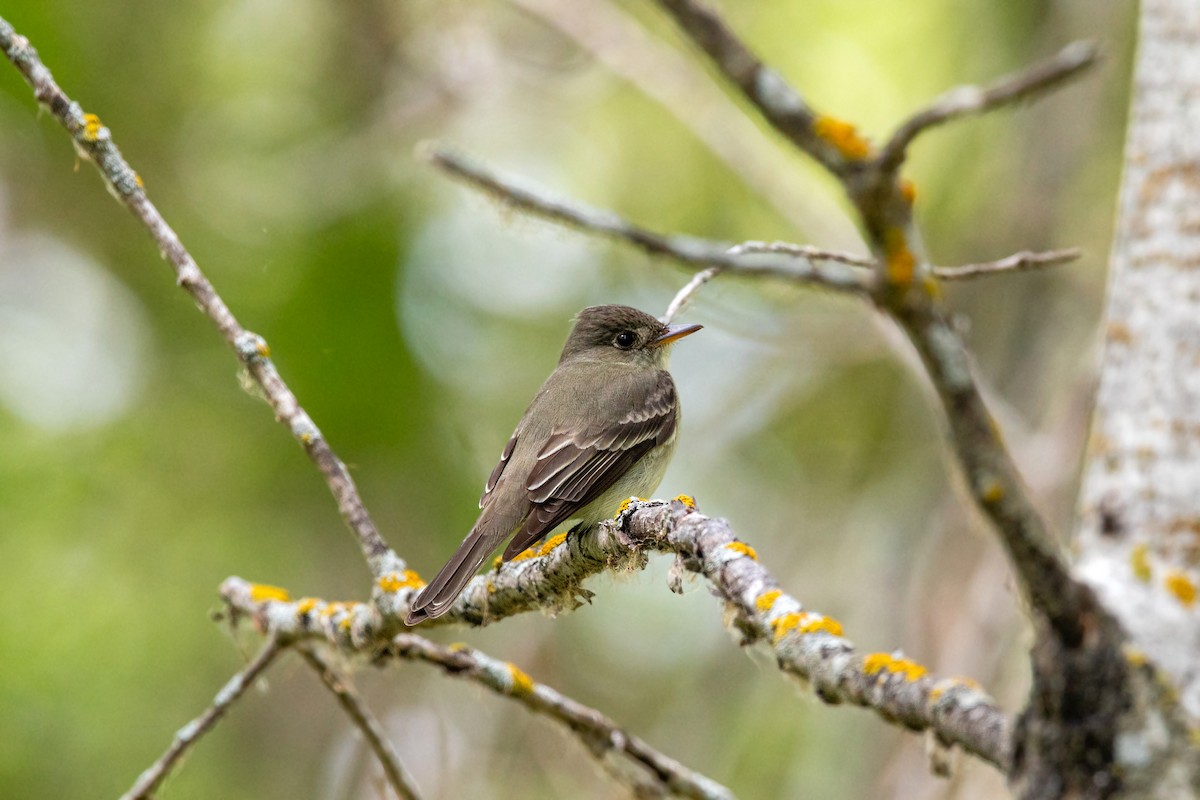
(672, 333)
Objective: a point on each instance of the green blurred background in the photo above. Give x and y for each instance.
(414, 320)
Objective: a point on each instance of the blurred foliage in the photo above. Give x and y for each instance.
(415, 322)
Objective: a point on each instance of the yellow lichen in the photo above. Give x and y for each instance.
(900, 262)
(908, 190)
(819, 624)
(263, 349)
(992, 491)
(306, 605)
(1135, 656)
(767, 599)
(625, 504)
(1183, 587)
(394, 582)
(877, 663)
(803, 622)
(497, 562)
(138, 180)
(333, 608)
(345, 622)
(91, 127)
(686, 499)
(527, 553)
(458, 647)
(551, 543)
(261, 593)
(522, 684)
(843, 136)
(743, 548)
(1139, 561)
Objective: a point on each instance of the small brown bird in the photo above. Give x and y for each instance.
(601, 428)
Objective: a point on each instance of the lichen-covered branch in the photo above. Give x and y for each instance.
(93, 142)
(631, 761)
(187, 736)
(806, 644)
(397, 776)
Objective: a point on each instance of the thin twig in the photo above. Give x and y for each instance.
(967, 100)
(656, 773)
(805, 644)
(819, 270)
(802, 251)
(93, 141)
(187, 736)
(397, 776)
(684, 295)
(1017, 262)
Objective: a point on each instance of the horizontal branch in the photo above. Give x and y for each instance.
(805, 644)
(1017, 262)
(604, 739)
(93, 142)
(187, 736)
(963, 101)
(825, 269)
(397, 776)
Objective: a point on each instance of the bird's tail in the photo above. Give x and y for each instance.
(436, 598)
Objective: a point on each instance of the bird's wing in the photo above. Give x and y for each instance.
(494, 478)
(573, 468)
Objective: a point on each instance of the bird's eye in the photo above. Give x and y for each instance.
(625, 339)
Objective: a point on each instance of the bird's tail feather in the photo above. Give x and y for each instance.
(437, 598)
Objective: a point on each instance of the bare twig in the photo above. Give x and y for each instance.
(1017, 262)
(613, 747)
(93, 141)
(805, 251)
(187, 736)
(967, 100)
(397, 776)
(684, 295)
(818, 270)
(805, 644)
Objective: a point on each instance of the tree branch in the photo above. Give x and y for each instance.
(964, 101)
(398, 777)
(93, 142)
(653, 772)
(805, 644)
(1017, 262)
(825, 269)
(187, 736)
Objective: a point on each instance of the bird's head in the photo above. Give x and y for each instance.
(620, 334)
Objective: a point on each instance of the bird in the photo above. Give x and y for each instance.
(602, 428)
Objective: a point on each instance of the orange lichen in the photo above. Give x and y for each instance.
(767, 599)
(687, 500)
(522, 684)
(1139, 561)
(743, 548)
(908, 190)
(551, 543)
(1182, 586)
(394, 582)
(900, 262)
(843, 136)
(261, 593)
(91, 127)
(332, 609)
(878, 663)
(992, 491)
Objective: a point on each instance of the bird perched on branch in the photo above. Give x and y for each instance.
(601, 428)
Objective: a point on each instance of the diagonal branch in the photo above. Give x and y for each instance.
(805, 644)
(826, 269)
(397, 776)
(187, 736)
(613, 747)
(93, 141)
(964, 101)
